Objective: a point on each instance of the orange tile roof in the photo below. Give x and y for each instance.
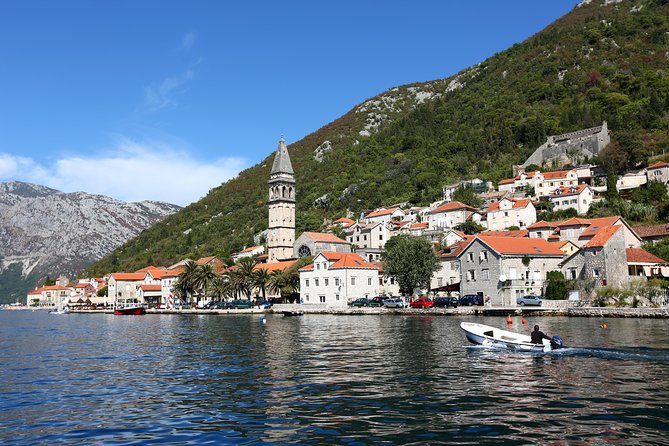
(166, 273)
(381, 212)
(596, 224)
(516, 233)
(128, 277)
(555, 175)
(346, 221)
(565, 190)
(519, 245)
(517, 203)
(399, 224)
(638, 255)
(343, 260)
(421, 225)
(205, 260)
(602, 237)
(456, 248)
(274, 266)
(451, 206)
(507, 180)
(532, 174)
(81, 285)
(659, 165)
(148, 268)
(325, 238)
(542, 224)
(150, 287)
(252, 248)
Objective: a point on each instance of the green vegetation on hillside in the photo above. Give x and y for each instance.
(596, 63)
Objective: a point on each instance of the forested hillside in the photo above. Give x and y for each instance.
(605, 60)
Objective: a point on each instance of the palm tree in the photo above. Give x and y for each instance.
(276, 283)
(245, 269)
(261, 279)
(204, 277)
(185, 284)
(220, 288)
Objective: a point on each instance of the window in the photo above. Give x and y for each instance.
(357, 238)
(321, 299)
(306, 298)
(571, 273)
(574, 201)
(327, 282)
(483, 256)
(471, 275)
(336, 281)
(485, 274)
(315, 282)
(364, 237)
(306, 283)
(352, 280)
(595, 272)
(380, 236)
(506, 213)
(369, 281)
(470, 256)
(318, 266)
(336, 296)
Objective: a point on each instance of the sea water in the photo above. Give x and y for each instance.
(323, 379)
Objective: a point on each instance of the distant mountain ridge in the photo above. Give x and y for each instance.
(606, 60)
(44, 231)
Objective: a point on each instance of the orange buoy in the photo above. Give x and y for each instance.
(603, 326)
(523, 321)
(509, 320)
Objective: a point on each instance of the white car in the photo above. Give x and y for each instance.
(394, 302)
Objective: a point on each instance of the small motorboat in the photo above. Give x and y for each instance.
(130, 310)
(292, 312)
(60, 311)
(494, 337)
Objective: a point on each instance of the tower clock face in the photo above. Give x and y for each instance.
(273, 232)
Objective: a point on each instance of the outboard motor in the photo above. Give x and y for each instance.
(556, 342)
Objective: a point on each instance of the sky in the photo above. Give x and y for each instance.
(164, 100)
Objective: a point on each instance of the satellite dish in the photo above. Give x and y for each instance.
(502, 278)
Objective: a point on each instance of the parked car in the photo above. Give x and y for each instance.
(394, 302)
(379, 300)
(265, 304)
(422, 302)
(221, 305)
(241, 304)
(530, 299)
(470, 299)
(364, 302)
(446, 302)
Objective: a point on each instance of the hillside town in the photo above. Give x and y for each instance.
(508, 256)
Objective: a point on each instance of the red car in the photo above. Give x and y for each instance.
(422, 302)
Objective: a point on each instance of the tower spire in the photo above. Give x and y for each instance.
(282, 162)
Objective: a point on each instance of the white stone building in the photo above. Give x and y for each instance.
(572, 197)
(335, 279)
(384, 215)
(511, 212)
(546, 182)
(451, 214)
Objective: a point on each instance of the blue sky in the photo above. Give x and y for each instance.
(164, 100)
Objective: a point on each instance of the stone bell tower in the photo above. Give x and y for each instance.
(281, 229)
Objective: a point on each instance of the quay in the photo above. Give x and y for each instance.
(612, 312)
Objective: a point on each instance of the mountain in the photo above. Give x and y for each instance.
(44, 231)
(604, 60)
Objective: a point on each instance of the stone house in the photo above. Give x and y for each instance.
(248, 252)
(335, 279)
(448, 277)
(311, 243)
(658, 172)
(48, 296)
(581, 230)
(601, 260)
(642, 264)
(451, 214)
(505, 268)
(157, 287)
(123, 286)
(572, 197)
(511, 212)
(653, 233)
(388, 285)
(369, 239)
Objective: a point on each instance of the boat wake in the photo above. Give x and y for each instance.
(627, 353)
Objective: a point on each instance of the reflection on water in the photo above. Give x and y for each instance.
(325, 379)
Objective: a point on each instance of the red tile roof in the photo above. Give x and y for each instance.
(421, 225)
(565, 190)
(456, 248)
(380, 212)
(325, 238)
(166, 273)
(541, 224)
(148, 268)
(451, 206)
(659, 165)
(252, 248)
(602, 237)
(128, 277)
(343, 260)
(555, 175)
(517, 233)
(205, 260)
(518, 245)
(660, 230)
(346, 222)
(150, 287)
(274, 266)
(507, 180)
(638, 255)
(517, 203)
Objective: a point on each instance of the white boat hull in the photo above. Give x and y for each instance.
(494, 337)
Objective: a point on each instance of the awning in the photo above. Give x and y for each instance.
(451, 287)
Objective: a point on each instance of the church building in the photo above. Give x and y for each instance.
(281, 229)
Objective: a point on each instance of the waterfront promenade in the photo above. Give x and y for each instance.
(584, 311)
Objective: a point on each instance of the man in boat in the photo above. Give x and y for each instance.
(538, 336)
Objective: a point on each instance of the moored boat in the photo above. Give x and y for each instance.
(130, 310)
(488, 336)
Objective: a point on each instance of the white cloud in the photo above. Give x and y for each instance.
(161, 95)
(188, 40)
(131, 171)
